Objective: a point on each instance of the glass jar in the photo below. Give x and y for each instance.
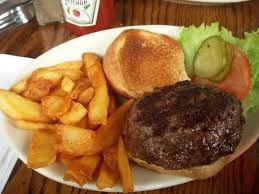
(86, 16)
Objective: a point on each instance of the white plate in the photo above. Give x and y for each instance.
(72, 50)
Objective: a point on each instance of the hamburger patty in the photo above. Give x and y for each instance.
(183, 125)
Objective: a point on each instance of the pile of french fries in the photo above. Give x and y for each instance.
(74, 120)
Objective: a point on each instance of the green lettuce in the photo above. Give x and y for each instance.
(192, 37)
(250, 46)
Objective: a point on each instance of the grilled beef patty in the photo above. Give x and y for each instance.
(183, 125)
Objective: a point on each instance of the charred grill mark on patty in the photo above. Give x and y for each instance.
(184, 125)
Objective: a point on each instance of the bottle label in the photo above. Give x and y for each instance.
(81, 12)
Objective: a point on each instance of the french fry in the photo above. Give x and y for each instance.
(45, 74)
(58, 91)
(124, 168)
(56, 74)
(74, 176)
(65, 158)
(75, 94)
(85, 97)
(37, 89)
(76, 65)
(73, 74)
(82, 169)
(74, 114)
(113, 104)
(107, 135)
(32, 126)
(42, 151)
(106, 178)
(20, 86)
(90, 125)
(67, 84)
(110, 157)
(80, 86)
(98, 106)
(20, 108)
(54, 106)
(83, 123)
(75, 141)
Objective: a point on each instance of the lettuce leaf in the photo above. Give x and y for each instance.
(192, 37)
(250, 46)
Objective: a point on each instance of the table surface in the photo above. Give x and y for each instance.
(31, 40)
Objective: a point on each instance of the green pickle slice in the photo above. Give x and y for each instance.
(211, 58)
(230, 55)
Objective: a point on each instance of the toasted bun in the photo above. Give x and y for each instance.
(137, 61)
(199, 172)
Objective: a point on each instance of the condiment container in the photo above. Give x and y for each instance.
(86, 16)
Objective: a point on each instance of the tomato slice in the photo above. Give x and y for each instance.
(238, 80)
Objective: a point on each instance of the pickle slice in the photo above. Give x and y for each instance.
(230, 55)
(210, 58)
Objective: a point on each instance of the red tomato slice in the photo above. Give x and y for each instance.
(238, 80)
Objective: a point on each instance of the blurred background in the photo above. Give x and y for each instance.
(14, 13)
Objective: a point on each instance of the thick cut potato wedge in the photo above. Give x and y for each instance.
(76, 65)
(54, 106)
(42, 151)
(45, 74)
(37, 89)
(106, 178)
(74, 114)
(65, 92)
(65, 158)
(32, 126)
(98, 106)
(91, 125)
(67, 84)
(82, 169)
(110, 157)
(20, 86)
(80, 86)
(75, 176)
(85, 97)
(55, 75)
(58, 91)
(73, 74)
(75, 141)
(124, 168)
(107, 135)
(20, 108)
(83, 123)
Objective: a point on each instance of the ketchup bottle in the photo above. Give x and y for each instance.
(86, 16)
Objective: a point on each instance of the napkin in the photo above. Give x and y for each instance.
(10, 68)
